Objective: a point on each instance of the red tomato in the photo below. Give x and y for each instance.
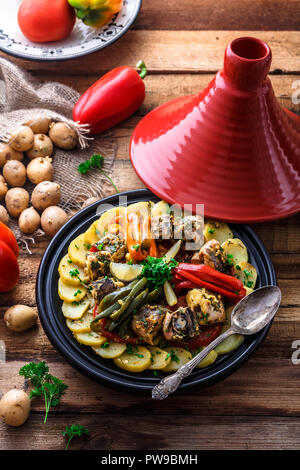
(8, 237)
(44, 20)
(9, 268)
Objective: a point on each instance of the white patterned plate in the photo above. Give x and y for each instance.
(83, 39)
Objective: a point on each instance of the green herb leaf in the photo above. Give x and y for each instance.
(158, 271)
(45, 384)
(95, 162)
(74, 430)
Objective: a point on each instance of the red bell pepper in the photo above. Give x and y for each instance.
(206, 335)
(9, 268)
(196, 282)
(206, 273)
(113, 98)
(138, 231)
(7, 236)
(111, 336)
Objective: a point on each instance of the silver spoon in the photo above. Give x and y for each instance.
(249, 316)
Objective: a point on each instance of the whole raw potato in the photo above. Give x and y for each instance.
(16, 201)
(8, 153)
(29, 220)
(22, 139)
(15, 407)
(45, 194)
(3, 187)
(20, 318)
(53, 218)
(40, 169)
(40, 125)
(4, 217)
(14, 173)
(63, 136)
(42, 147)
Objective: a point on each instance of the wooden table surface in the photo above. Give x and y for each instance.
(258, 407)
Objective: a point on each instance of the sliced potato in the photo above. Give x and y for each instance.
(137, 360)
(91, 235)
(246, 273)
(82, 325)
(76, 310)
(77, 250)
(235, 250)
(125, 272)
(90, 339)
(217, 230)
(107, 219)
(229, 344)
(142, 207)
(232, 342)
(159, 358)
(249, 290)
(110, 349)
(65, 266)
(179, 357)
(160, 208)
(70, 293)
(208, 360)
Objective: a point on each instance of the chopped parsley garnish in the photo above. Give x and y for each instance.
(155, 373)
(74, 272)
(87, 245)
(174, 357)
(237, 267)
(70, 261)
(211, 230)
(158, 271)
(77, 292)
(247, 273)
(230, 259)
(136, 247)
(249, 283)
(105, 345)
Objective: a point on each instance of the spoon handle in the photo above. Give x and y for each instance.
(170, 383)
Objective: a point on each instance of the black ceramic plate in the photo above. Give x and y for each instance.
(82, 357)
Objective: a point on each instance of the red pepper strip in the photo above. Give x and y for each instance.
(134, 238)
(110, 100)
(111, 336)
(206, 336)
(94, 249)
(212, 287)
(95, 310)
(206, 273)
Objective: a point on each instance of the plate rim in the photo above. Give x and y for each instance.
(130, 385)
(20, 55)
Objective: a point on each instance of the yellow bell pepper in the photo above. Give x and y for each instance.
(96, 13)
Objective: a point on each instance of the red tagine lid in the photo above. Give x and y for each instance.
(231, 147)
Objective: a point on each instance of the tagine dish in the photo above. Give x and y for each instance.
(148, 289)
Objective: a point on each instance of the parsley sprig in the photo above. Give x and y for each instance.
(74, 430)
(45, 384)
(158, 271)
(95, 162)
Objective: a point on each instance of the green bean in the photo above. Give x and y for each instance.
(154, 295)
(135, 303)
(123, 330)
(111, 298)
(135, 290)
(106, 313)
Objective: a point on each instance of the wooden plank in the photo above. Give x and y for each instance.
(208, 15)
(175, 51)
(156, 432)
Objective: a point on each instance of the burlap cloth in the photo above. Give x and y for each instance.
(23, 98)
